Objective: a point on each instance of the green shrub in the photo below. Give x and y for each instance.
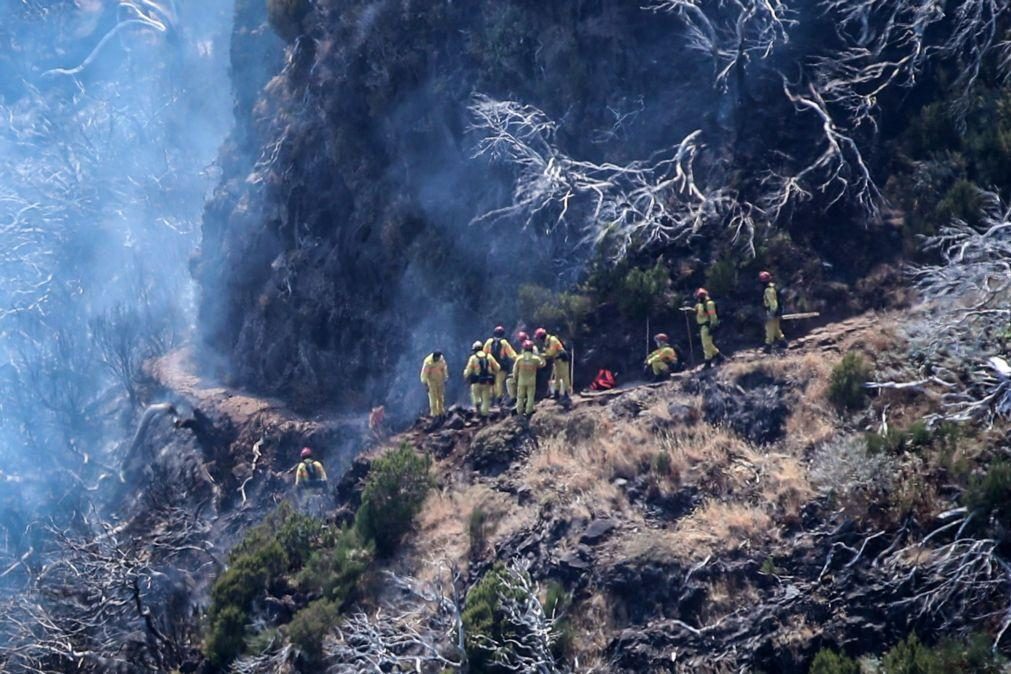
(830, 662)
(846, 384)
(643, 291)
(310, 625)
(556, 605)
(911, 656)
(396, 487)
(268, 551)
(662, 464)
(334, 571)
(897, 440)
(483, 619)
(286, 17)
(555, 311)
(477, 531)
(721, 279)
(991, 494)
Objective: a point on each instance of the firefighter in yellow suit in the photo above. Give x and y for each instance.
(434, 374)
(525, 369)
(664, 359)
(553, 351)
(480, 374)
(773, 311)
(708, 321)
(499, 348)
(310, 472)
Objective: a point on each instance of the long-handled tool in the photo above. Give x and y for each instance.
(797, 317)
(688, 329)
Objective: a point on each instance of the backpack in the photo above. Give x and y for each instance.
(604, 381)
(483, 375)
(779, 302)
(563, 355)
(496, 352)
(310, 470)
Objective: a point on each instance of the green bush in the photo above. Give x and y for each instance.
(277, 546)
(310, 625)
(897, 440)
(286, 17)
(643, 291)
(477, 531)
(555, 311)
(830, 662)
(556, 605)
(991, 494)
(396, 487)
(846, 384)
(721, 279)
(483, 619)
(662, 464)
(911, 656)
(333, 572)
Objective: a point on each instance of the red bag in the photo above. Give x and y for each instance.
(604, 381)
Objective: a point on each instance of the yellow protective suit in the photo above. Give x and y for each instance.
(434, 374)
(505, 352)
(561, 372)
(307, 468)
(773, 331)
(662, 360)
(480, 372)
(705, 316)
(525, 370)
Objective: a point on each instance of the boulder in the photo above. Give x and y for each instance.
(756, 411)
(496, 447)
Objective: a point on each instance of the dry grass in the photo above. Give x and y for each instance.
(717, 527)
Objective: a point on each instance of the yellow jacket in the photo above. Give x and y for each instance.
(553, 346)
(434, 372)
(770, 300)
(705, 313)
(666, 354)
(474, 366)
(506, 349)
(302, 472)
(526, 368)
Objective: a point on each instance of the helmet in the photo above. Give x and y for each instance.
(528, 345)
(540, 333)
(700, 293)
(499, 331)
(306, 452)
(522, 337)
(662, 337)
(764, 277)
(477, 346)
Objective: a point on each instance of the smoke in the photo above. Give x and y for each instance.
(111, 115)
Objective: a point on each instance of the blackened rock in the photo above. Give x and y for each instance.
(757, 415)
(597, 531)
(499, 445)
(440, 445)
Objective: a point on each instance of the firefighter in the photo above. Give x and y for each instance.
(525, 368)
(499, 348)
(664, 360)
(553, 351)
(480, 374)
(434, 374)
(773, 312)
(521, 339)
(708, 322)
(310, 473)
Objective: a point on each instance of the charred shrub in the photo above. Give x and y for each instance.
(846, 384)
(393, 494)
(286, 17)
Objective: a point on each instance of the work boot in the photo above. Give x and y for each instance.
(709, 364)
(767, 348)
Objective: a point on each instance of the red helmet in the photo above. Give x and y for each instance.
(499, 331)
(540, 333)
(662, 337)
(522, 337)
(528, 345)
(306, 452)
(700, 293)
(764, 277)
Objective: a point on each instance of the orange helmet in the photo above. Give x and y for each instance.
(522, 337)
(700, 293)
(528, 345)
(661, 337)
(306, 452)
(540, 333)
(764, 277)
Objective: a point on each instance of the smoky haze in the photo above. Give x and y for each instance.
(111, 115)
